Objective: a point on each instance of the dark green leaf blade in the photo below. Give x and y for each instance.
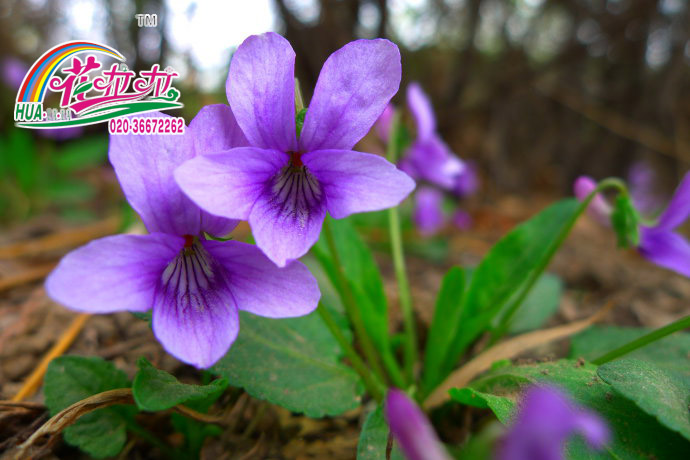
(155, 390)
(291, 362)
(505, 270)
(373, 440)
(658, 393)
(69, 379)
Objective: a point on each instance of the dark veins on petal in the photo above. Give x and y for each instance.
(192, 280)
(295, 193)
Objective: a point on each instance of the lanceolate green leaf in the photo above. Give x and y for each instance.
(657, 392)
(291, 362)
(515, 261)
(636, 434)
(501, 406)
(444, 324)
(155, 390)
(69, 379)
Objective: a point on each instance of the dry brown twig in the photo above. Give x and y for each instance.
(506, 350)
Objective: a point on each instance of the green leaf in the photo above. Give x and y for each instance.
(669, 354)
(446, 317)
(373, 440)
(291, 362)
(503, 272)
(625, 220)
(658, 393)
(636, 435)
(362, 274)
(539, 305)
(155, 390)
(499, 405)
(69, 379)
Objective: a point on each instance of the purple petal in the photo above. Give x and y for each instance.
(678, 209)
(115, 273)
(598, 208)
(641, 178)
(420, 106)
(287, 217)
(384, 123)
(261, 91)
(412, 429)
(355, 85)
(431, 160)
(227, 184)
(61, 134)
(467, 181)
(428, 212)
(144, 165)
(546, 419)
(357, 182)
(194, 313)
(260, 287)
(666, 249)
(13, 71)
(215, 129)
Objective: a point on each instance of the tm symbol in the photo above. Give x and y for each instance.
(146, 20)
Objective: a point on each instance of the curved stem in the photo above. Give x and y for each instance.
(653, 336)
(374, 386)
(504, 324)
(351, 307)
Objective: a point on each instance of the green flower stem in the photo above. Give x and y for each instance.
(504, 324)
(645, 340)
(351, 307)
(372, 384)
(410, 338)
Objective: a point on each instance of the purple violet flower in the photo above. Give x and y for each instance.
(284, 185)
(641, 178)
(546, 419)
(659, 243)
(429, 158)
(412, 429)
(195, 286)
(13, 70)
(428, 210)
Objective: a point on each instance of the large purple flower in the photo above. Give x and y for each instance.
(195, 286)
(545, 421)
(284, 185)
(412, 429)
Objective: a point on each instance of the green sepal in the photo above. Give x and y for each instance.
(625, 222)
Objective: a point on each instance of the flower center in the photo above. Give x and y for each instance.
(191, 279)
(295, 192)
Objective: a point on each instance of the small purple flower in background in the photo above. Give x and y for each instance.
(284, 185)
(428, 210)
(544, 422)
(430, 160)
(412, 429)
(659, 243)
(641, 178)
(194, 286)
(598, 208)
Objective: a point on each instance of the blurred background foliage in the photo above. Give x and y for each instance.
(536, 92)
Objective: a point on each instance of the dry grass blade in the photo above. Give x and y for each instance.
(506, 350)
(26, 276)
(69, 415)
(59, 240)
